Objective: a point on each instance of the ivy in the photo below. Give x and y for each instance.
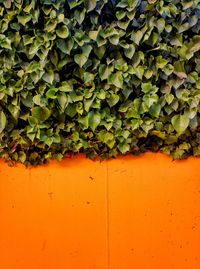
(102, 77)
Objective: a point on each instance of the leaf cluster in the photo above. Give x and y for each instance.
(101, 77)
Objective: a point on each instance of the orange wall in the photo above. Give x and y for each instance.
(133, 212)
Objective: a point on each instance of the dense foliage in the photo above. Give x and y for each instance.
(101, 77)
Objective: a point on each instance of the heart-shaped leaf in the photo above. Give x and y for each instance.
(180, 122)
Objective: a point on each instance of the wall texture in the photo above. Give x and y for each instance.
(132, 212)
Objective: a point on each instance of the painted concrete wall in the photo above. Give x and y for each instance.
(133, 212)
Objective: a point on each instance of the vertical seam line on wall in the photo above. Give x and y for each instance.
(107, 218)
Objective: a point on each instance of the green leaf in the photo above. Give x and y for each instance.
(155, 110)
(24, 19)
(32, 121)
(93, 35)
(90, 5)
(80, 15)
(161, 62)
(65, 87)
(120, 14)
(139, 71)
(113, 100)
(136, 37)
(50, 25)
(84, 121)
(80, 59)
(88, 103)
(114, 39)
(168, 69)
(179, 69)
(51, 93)
(88, 77)
(180, 123)
(5, 42)
(48, 76)
(104, 71)
(62, 45)
(62, 101)
(71, 110)
(124, 148)
(94, 118)
(150, 99)
(169, 98)
(62, 32)
(74, 3)
(101, 94)
(130, 51)
(135, 123)
(107, 138)
(14, 111)
(33, 67)
(147, 87)
(3, 121)
(116, 79)
(41, 113)
(161, 25)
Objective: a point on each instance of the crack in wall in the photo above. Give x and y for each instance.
(107, 218)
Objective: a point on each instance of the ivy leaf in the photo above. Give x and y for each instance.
(104, 71)
(179, 69)
(93, 35)
(5, 42)
(139, 71)
(180, 123)
(161, 62)
(116, 79)
(124, 148)
(41, 113)
(48, 76)
(80, 59)
(84, 121)
(7, 3)
(150, 99)
(161, 25)
(3, 121)
(14, 110)
(147, 87)
(155, 110)
(62, 101)
(136, 37)
(62, 32)
(24, 19)
(33, 67)
(74, 3)
(113, 100)
(80, 15)
(130, 51)
(94, 118)
(62, 45)
(90, 5)
(51, 93)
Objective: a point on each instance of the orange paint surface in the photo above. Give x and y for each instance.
(132, 212)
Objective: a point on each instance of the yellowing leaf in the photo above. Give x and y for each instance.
(3, 121)
(180, 123)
